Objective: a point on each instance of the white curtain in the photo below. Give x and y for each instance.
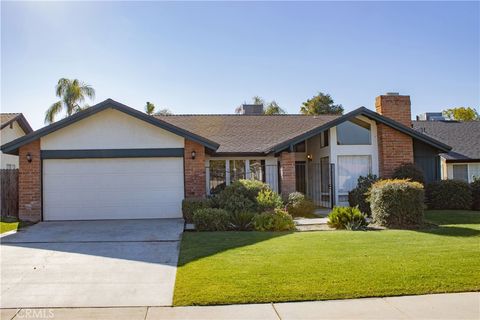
(349, 169)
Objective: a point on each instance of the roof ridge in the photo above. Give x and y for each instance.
(245, 115)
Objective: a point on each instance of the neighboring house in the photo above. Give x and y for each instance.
(463, 161)
(14, 125)
(114, 162)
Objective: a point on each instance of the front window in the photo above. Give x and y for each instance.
(349, 169)
(237, 170)
(217, 175)
(354, 132)
(257, 170)
(460, 172)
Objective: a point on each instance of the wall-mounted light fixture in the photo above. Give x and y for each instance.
(309, 157)
(29, 157)
(194, 154)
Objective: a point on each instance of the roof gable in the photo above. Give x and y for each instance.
(8, 118)
(12, 147)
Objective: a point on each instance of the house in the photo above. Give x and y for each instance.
(13, 126)
(463, 161)
(114, 162)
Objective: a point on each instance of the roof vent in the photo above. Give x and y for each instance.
(251, 109)
(393, 94)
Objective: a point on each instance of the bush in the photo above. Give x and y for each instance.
(211, 219)
(240, 196)
(269, 200)
(449, 194)
(189, 206)
(409, 171)
(277, 220)
(350, 218)
(299, 206)
(397, 203)
(475, 186)
(358, 197)
(241, 221)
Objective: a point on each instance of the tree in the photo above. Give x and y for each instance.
(164, 112)
(273, 108)
(321, 104)
(149, 108)
(258, 100)
(71, 93)
(461, 114)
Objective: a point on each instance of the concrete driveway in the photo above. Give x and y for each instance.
(91, 264)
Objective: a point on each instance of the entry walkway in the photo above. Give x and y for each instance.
(457, 306)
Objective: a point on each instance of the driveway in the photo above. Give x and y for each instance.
(91, 264)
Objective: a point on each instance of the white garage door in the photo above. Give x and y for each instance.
(120, 188)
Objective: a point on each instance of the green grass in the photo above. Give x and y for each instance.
(254, 267)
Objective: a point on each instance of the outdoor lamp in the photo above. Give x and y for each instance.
(194, 154)
(309, 157)
(29, 157)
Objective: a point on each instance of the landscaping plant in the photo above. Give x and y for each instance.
(475, 186)
(268, 199)
(449, 194)
(211, 219)
(240, 196)
(241, 221)
(409, 171)
(397, 203)
(350, 218)
(299, 206)
(358, 197)
(190, 205)
(277, 220)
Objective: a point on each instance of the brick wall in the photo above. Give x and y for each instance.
(394, 147)
(195, 178)
(287, 172)
(29, 183)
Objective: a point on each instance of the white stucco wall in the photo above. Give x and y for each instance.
(6, 135)
(111, 129)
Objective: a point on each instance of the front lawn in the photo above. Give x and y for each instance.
(253, 267)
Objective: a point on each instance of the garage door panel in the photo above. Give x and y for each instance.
(134, 188)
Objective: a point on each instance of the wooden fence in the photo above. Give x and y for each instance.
(9, 192)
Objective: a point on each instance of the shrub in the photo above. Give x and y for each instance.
(397, 203)
(475, 186)
(269, 200)
(299, 206)
(189, 206)
(449, 194)
(409, 171)
(277, 220)
(350, 218)
(358, 197)
(241, 221)
(211, 219)
(240, 196)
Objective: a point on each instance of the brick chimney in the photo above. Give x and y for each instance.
(394, 148)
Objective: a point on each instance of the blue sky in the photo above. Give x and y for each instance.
(209, 57)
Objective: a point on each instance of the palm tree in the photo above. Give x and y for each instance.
(71, 94)
(149, 108)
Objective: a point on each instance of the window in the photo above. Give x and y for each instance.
(350, 168)
(217, 175)
(354, 132)
(237, 170)
(324, 139)
(257, 170)
(460, 172)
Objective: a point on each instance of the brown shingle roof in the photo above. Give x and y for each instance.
(247, 133)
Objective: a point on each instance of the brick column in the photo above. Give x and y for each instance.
(287, 173)
(195, 178)
(394, 147)
(29, 183)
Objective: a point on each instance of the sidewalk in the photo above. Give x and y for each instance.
(439, 306)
